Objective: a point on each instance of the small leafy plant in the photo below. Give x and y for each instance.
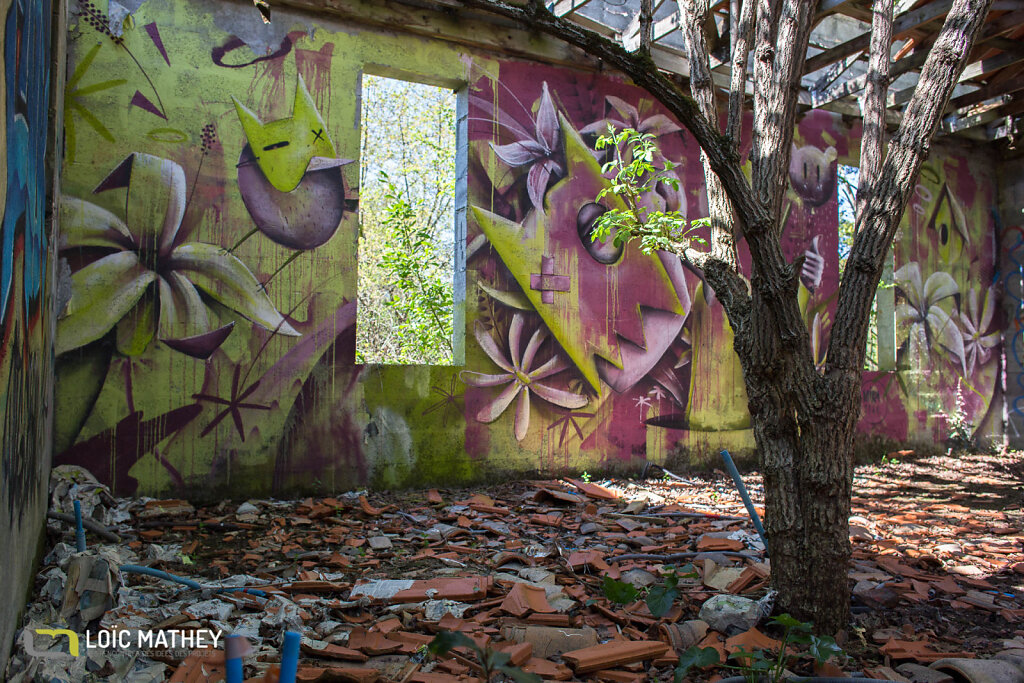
(492, 662)
(585, 477)
(757, 665)
(960, 428)
(637, 175)
(659, 597)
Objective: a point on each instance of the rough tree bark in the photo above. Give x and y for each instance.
(803, 420)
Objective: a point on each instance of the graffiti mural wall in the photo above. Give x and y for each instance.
(26, 358)
(948, 315)
(209, 223)
(590, 353)
(209, 220)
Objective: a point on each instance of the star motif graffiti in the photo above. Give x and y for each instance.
(449, 400)
(234, 406)
(565, 421)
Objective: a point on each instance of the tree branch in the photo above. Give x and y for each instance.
(693, 15)
(872, 143)
(877, 223)
(646, 25)
(775, 118)
(740, 35)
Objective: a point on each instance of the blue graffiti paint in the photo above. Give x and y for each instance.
(27, 84)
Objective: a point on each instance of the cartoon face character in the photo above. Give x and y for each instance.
(290, 177)
(812, 173)
(285, 149)
(613, 309)
(950, 225)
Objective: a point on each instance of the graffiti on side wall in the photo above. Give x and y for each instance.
(1014, 245)
(24, 263)
(947, 382)
(210, 233)
(209, 206)
(592, 351)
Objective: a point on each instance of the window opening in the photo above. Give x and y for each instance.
(880, 351)
(407, 283)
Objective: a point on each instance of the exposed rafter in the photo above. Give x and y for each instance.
(992, 85)
(563, 8)
(903, 24)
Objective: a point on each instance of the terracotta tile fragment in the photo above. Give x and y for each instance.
(917, 650)
(524, 599)
(613, 654)
(331, 651)
(594, 491)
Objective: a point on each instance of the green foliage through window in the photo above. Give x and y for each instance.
(407, 208)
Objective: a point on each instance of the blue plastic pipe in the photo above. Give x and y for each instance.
(289, 657)
(149, 571)
(157, 573)
(738, 480)
(233, 647)
(79, 529)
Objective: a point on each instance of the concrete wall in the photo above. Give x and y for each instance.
(179, 373)
(26, 320)
(948, 309)
(1011, 225)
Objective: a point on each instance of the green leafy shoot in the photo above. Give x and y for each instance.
(758, 665)
(698, 657)
(619, 592)
(492, 662)
(638, 169)
(661, 598)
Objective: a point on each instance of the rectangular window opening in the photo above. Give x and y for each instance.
(880, 350)
(411, 269)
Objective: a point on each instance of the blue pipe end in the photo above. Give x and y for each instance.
(747, 502)
(233, 647)
(289, 657)
(79, 529)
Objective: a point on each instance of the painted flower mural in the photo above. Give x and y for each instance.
(518, 377)
(976, 322)
(148, 283)
(539, 150)
(625, 115)
(927, 324)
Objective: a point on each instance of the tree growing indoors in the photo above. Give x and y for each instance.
(803, 419)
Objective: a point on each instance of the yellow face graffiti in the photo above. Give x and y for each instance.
(285, 149)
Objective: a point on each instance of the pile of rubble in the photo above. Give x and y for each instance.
(521, 569)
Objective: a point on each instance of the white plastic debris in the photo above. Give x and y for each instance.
(730, 614)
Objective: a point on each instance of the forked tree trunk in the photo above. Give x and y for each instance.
(803, 420)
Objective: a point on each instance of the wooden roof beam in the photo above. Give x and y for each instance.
(956, 124)
(978, 69)
(903, 24)
(1015, 84)
(989, 38)
(563, 8)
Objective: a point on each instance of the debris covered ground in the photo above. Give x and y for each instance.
(368, 580)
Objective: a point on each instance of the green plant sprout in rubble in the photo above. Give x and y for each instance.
(757, 666)
(491, 662)
(585, 477)
(659, 598)
(635, 176)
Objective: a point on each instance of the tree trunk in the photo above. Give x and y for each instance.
(803, 421)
